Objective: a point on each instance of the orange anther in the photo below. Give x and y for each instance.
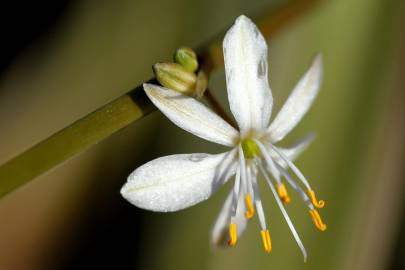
(249, 205)
(233, 235)
(317, 220)
(314, 200)
(266, 240)
(283, 194)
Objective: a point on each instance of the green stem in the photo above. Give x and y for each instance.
(74, 139)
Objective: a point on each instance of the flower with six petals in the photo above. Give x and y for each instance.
(176, 182)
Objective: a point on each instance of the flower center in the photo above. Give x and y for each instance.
(250, 148)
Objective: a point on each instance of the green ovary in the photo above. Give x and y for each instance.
(250, 148)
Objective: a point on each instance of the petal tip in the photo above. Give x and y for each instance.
(310, 137)
(127, 190)
(152, 91)
(124, 191)
(318, 55)
(147, 87)
(318, 59)
(317, 64)
(243, 19)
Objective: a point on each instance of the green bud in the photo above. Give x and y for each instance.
(176, 77)
(250, 148)
(187, 58)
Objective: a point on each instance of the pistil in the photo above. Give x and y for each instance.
(250, 148)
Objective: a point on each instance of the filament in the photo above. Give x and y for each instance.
(284, 212)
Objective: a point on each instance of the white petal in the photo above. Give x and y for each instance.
(191, 115)
(220, 231)
(175, 182)
(293, 152)
(249, 94)
(298, 102)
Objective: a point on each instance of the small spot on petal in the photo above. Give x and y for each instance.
(261, 68)
(197, 157)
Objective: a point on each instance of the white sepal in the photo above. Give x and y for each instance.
(220, 231)
(298, 102)
(176, 182)
(249, 94)
(191, 115)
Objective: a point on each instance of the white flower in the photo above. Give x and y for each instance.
(176, 182)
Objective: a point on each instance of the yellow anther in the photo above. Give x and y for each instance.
(249, 205)
(317, 220)
(233, 235)
(283, 194)
(266, 240)
(314, 200)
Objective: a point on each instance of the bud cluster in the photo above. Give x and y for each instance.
(180, 75)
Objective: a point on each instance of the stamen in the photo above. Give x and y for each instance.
(244, 183)
(281, 189)
(295, 186)
(236, 190)
(258, 202)
(249, 187)
(233, 235)
(239, 180)
(317, 220)
(250, 209)
(292, 167)
(269, 162)
(283, 211)
(314, 200)
(282, 192)
(266, 240)
(242, 166)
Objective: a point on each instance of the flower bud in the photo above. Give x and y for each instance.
(176, 77)
(187, 58)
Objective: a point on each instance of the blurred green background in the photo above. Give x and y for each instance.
(94, 51)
